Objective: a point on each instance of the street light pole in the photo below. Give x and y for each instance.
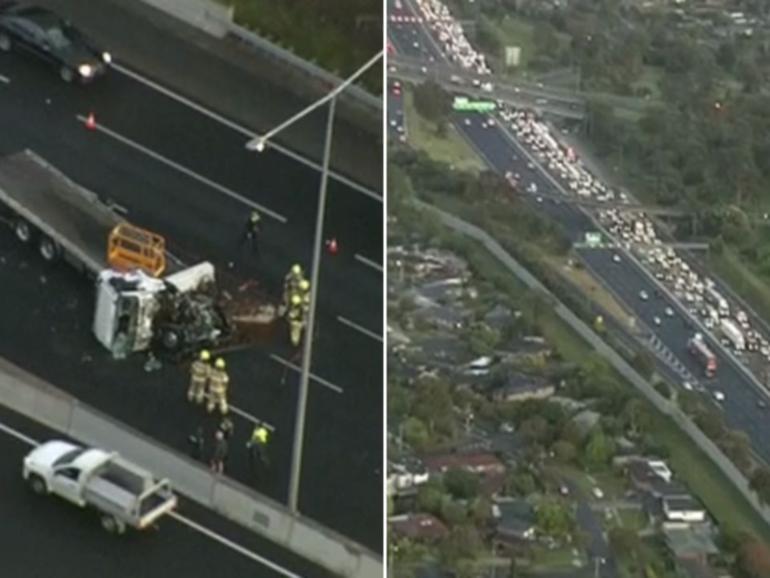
(307, 349)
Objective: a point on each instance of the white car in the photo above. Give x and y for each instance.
(597, 492)
(669, 312)
(656, 320)
(616, 258)
(687, 385)
(719, 396)
(643, 295)
(467, 122)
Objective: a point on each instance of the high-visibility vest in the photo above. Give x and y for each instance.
(260, 435)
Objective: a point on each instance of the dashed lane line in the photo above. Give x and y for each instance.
(358, 328)
(313, 376)
(182, 169)
(368, 262)
(244, 131)
(184, 520)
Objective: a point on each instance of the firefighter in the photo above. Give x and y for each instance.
(251, 232)
(257, 446)
(200, 371)
(218, 384)
(296, 318)
(292, 281)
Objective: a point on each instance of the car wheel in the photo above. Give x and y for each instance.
(49, 250)
(37, 484)
(112, 525)
(5, 42)
(66, 74)
(23, 230)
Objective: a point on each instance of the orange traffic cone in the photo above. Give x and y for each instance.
(91, 121)
(331, 245)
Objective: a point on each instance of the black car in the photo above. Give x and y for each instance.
(49, 37)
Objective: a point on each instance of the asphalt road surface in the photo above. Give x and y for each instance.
(187, 176)
(626, 279)
(50, 538)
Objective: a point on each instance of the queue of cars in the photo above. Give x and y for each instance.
(450, 34)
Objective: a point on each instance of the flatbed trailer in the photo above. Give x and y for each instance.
(64, 219)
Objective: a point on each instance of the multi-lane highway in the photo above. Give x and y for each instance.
(182, 171)
(50, 538)
(626, 279)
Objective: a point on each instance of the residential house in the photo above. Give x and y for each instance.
(691, 546)
(488, 466)
(683, 509)
(514, 522)
(498, 318)
(442, 317)
(423, 527)
(518, 386)
(406, 475)
(585, 421)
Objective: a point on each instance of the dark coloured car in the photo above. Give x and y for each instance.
(53, 39)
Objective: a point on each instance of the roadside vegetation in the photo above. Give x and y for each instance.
(339, 36)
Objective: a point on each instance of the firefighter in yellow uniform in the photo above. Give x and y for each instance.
(218, 385)
(200, 370)
(291, 284)
(296, 318)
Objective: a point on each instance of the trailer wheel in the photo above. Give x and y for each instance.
(23, 230)
(37, 485)
(112, 525)
(49, 250)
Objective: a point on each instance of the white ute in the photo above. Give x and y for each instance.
(124, 494)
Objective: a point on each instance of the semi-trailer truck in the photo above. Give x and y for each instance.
(698, 348)
(732, 332)
(145, 297)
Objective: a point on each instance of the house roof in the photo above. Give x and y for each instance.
(441, 288)
(696, 568)
(517, 382)
(477, 461)
(687, 540)
(643, 476)
(682, 504)
(418, 526)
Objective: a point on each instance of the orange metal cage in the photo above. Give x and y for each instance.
(130, 247)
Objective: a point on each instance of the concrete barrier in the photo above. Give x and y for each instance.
(44, 403)
(211, 17)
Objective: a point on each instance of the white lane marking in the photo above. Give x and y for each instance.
(178, 517)
(357, 327)
(5, 79)
(251, 418)
(18, 435)
(182, 169)
(368, 262)
(232, 545)
(244, 131)
(297, 368)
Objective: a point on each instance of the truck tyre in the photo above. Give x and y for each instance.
(49, 250)
(5, 42)
(112, 525)
(66, 74)
(23, 230)
(37, 485)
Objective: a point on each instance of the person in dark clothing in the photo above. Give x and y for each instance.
(220, 453)
(251, 232)
(196, 442)
(227, 427)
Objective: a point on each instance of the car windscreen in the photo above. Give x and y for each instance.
(69, 457)
(58, 38)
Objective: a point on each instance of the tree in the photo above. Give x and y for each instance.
(754, 559)
(599, 449)
(535, 429)
(565, 451)
(432, 102)
(644, 363)
(553, 518)
(452, 512)
(415, 433)
(760, 483)
(461, 484)
(482, 339)
(430, 497)
(624, 540)
(462, 544)
(433, 405)
(521, 484)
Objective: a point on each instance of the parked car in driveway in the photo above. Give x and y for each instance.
(44, 34)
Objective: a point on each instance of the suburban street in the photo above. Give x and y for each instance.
(53, 539)
(181, 171)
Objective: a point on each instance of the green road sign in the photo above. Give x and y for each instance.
(463, 104)
(593, 239)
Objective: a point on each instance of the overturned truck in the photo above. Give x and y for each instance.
(146, 299)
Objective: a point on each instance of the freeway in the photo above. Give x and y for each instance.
(186, 174)
(626, 280)
(50, 538)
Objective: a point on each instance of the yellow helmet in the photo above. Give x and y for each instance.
(304, 285)
(254, 217)
(296, 270)
(220, 364)
(205, 355)
(296, 299)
